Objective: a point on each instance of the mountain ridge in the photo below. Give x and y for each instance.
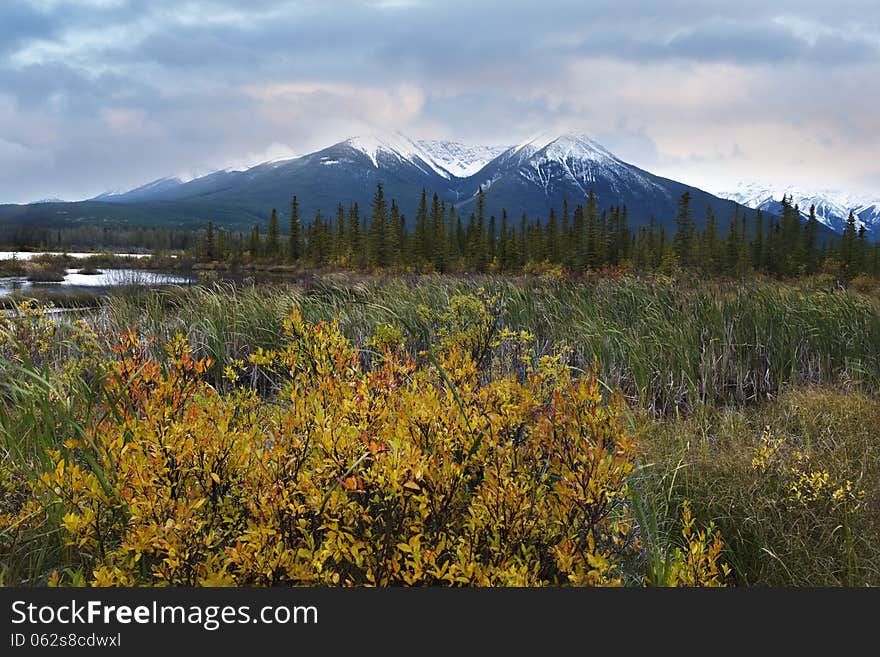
(832, 206)
(532, 178)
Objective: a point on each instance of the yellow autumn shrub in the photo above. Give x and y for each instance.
(367, 466)
(401, 473)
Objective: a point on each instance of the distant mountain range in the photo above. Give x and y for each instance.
(832, 207)
(531, 177)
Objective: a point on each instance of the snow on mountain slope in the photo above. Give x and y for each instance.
(460, 160)
(532, 176)
(448, 159)
(543, 158)
(579, 158)
(142, 192)
(399, 147)
(832, 206)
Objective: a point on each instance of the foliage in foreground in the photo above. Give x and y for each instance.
(793, 485)
(377, 469)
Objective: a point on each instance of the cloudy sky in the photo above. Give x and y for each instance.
(107, 94)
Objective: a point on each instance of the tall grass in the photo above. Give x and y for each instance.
(667, 347)
(772, 538)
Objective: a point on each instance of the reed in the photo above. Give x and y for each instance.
(667, 347)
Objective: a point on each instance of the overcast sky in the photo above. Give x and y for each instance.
(108, 94)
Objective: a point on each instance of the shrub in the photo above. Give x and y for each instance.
(397, 474)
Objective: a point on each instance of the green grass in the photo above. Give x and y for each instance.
(667, 347)
(770, 538)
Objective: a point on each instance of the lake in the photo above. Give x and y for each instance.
(107, 279)
(27, 255)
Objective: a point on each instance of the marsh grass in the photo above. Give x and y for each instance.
(45, 274)
(771, 538)
(666, 346)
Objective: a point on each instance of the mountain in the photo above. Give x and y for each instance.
(832, 207)
(142, 193)
(460, 160)
(538, 174)
(531, 177)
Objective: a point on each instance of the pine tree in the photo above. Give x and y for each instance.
(392, 236)
(772, 259)
(591, 233)
(254, 246)
(709, 244)
(460, 238)
(682, 241)
(652, 246)
(355, 238)
(612, 242)
(273, 235)
(551, 238)
(220, 249)
(810, 253)
(294, 239)
(339, 246)
(663, 249)
(452, 244)
(578, 238)
(732, 242)
(402, 240)
(377, 247)
(791, 242)
(492, 237)
(565, 247)
(420, 233)
(209, 241)
(502, 252)
(848, 248)
(602, 239)
(433, 247)
(758, 241)
(624, 236)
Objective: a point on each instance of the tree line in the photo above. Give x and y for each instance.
(156, 239)
(576, 239)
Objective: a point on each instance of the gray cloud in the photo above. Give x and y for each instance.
(99, 94)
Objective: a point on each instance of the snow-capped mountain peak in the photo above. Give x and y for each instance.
(162, 184)
(397, 146)
(578, 146)
(448, 159)
(545, 159)
(563, 146)
(392, 143)
(460, 160)
(832, 206)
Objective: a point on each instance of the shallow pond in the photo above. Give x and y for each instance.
(28, 255)
(107, 279)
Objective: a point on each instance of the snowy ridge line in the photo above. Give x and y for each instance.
(832, 206)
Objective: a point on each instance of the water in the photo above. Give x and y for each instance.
(107, 279)
(27, 255)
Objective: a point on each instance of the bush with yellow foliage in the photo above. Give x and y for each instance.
(388, 470)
